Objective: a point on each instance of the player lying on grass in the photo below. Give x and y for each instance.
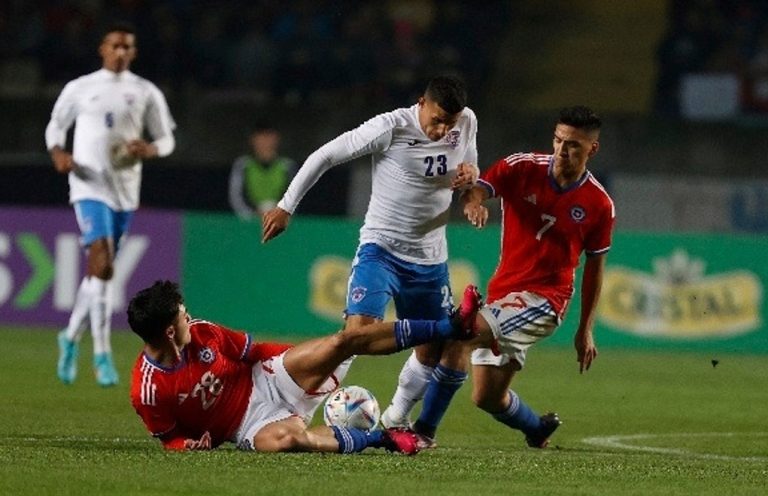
(197, 384)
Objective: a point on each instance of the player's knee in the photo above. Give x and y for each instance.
(429, 354)
(101, 266)
(105, 271)
(277, 441)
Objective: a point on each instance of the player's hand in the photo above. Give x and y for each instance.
(476, 214)
(141, 149)
(586, 351)
(62, 161)
(274, 222)
(466, 175)
(204, 443)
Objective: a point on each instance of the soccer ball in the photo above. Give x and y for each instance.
(351, 406)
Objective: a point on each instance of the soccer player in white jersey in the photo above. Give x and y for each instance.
(419, 155)
(111, 108)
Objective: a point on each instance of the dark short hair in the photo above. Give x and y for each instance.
(119, 27)
(448, 92)
(580, 117)
(153, 309)
(261, 127)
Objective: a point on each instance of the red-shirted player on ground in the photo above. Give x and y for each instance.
(553, 209)
(197, 384)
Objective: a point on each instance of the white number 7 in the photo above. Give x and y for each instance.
(549, 221)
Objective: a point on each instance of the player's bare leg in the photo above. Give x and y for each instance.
(312, 362)
(101, 255)
(92, 301)
(491, 393)
(292, 435)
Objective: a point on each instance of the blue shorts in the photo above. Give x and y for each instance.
(97, 220)
(419, 291)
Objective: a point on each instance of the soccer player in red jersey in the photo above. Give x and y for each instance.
(197, 384)
(553, 210)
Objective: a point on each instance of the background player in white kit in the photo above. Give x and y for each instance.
(110, 108)
(419, 155)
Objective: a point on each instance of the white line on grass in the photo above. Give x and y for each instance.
(620, 442)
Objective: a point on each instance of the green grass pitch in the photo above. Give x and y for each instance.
(638, 423)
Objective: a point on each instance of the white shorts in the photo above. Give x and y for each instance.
(517, 321)
(276, 396)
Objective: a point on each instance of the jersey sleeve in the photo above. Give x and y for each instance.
(157, 415)
(159, 122)
(598, 240)
(63, 115)
(501, 174)
(372, 136)
(258, 352)
(471, 154)
(241, 347)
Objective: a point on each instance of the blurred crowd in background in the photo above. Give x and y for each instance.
(714, 36)
(298, 51)
(685, 94)
(320, 50)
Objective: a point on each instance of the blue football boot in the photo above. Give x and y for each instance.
(67, 366)
(104, 368)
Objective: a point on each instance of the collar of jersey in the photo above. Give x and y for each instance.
(571, 186)
(181, 363)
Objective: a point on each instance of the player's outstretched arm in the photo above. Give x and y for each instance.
(592, 282)
(273, 223)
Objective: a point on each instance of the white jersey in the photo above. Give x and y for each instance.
(411, 192)
(109, 109)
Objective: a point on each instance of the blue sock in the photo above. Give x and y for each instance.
(519, 415)
(440, 391)
(353, 440)
(409, 333)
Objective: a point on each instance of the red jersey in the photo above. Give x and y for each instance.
(545, 227)
(208, 390)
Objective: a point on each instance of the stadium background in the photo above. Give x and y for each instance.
(683, 88)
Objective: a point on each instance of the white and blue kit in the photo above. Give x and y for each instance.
(108, 109)
(403, 250)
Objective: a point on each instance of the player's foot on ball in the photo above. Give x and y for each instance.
(403, 441)
(548, 424)
(106, 375)
(66, 368)
(389, 421)
(463, 317)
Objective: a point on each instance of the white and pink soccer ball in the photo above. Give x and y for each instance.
(351, 406)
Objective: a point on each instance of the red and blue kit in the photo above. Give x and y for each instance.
(208, 390)
(545, 227)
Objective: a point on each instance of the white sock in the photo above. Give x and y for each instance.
(80, 311)
(411, 385)
(101, 315)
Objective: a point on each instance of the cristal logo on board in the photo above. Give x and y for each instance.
(678, 300)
